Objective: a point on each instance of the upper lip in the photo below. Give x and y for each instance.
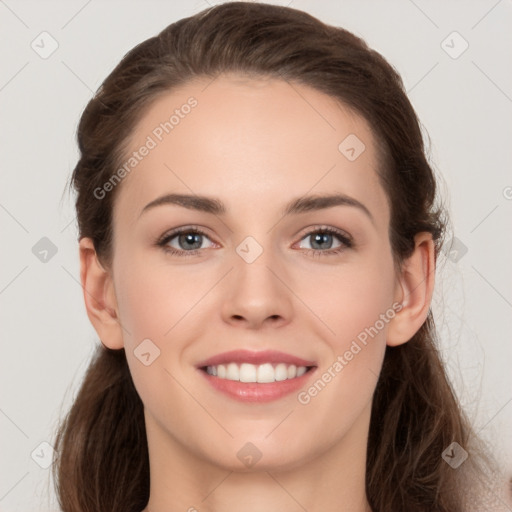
(255, 357)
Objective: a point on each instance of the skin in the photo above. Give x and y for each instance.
(255, 145)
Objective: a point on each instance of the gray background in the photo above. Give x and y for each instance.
(464, 101)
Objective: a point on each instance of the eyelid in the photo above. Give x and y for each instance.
(309, 230)
(345, 238)
(171, 233)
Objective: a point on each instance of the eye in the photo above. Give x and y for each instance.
(186, 241)
(322, 239)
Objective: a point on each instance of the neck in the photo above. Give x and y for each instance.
(333, 481)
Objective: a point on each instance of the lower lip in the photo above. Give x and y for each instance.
(256, 391)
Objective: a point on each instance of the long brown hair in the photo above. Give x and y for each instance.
(103, 462)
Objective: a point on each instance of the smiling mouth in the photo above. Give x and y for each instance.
(252, 373)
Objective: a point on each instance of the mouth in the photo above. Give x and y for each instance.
(256, 376)
(263, 373)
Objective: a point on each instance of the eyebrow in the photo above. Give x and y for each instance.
(296, 206)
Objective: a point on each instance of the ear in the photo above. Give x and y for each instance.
(99, 296)
(414, 290)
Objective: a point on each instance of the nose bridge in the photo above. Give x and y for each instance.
(253, 262)
(256, 292)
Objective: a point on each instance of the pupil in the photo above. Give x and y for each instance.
(190, 237)
(318, 238)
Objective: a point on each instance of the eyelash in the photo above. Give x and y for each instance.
(167, 237)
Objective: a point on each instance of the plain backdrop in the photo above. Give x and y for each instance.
(461, 87)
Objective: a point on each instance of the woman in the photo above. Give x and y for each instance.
(255, 369)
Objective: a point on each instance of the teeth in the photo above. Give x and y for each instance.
(262, 373)
(248, 372)
(281, 372)
(266, 373)
(301, 370)
(232, 372)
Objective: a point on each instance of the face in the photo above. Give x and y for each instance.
(264, 284)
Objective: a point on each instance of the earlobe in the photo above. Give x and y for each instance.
(99, 296)
(415, 287)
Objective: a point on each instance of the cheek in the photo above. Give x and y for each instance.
(358, 312)
(156, 306)
(353, 299)
(153, 298)
(365, 311)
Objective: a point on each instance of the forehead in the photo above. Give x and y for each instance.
(252, 142)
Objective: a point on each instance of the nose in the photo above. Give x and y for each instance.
(258, 293)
